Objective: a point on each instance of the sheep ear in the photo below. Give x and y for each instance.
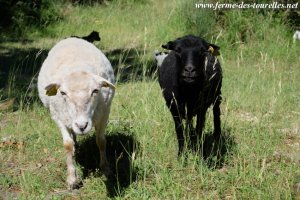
(51, 89)
(214, 49)
(178, 51)
(170, 45)
(104, 83)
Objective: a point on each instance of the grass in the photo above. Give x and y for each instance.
(260, 116)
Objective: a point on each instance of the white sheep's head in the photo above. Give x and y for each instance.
(79, 93)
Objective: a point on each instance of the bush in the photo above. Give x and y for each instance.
(18, 16)
(238, 25)
(195, 21)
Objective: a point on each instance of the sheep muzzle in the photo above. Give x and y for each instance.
(82, 125)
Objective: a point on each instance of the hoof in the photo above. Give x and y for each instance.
(72, 183)
(73, 186)
(106, 170)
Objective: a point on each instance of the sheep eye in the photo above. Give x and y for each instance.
(95, 91)
(62, 93)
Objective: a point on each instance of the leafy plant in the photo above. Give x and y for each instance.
(18, 17)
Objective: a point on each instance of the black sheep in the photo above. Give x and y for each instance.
(93, 36)
(191, 78)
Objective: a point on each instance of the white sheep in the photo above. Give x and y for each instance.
(76, 84)
(159, 57)
(296, 36)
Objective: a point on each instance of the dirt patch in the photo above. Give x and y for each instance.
(248, 117)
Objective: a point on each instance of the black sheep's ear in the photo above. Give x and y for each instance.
(214, 49)
(170, 45)
(178, 51)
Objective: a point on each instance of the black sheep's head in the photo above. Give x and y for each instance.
(94, 36)
(191, 52)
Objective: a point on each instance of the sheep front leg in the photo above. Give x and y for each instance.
(69, 146)
(201, 121)
(190, 131)
(71, 178)
(176, 110)
(179, 132)
(101, 143)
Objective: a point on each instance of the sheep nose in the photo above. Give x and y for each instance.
(82, 126)
(190, 69)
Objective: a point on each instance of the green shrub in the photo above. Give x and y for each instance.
(195, 21)
(17, 17)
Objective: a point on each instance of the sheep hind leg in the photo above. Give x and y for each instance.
(218, 144)
(101, 143)
(217, 120)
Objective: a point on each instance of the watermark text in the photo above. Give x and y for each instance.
(242, 5)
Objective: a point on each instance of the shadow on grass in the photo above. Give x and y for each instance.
(131, 64)
(19, 67)
(18, 72)
(215, 153)
(119, 149)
